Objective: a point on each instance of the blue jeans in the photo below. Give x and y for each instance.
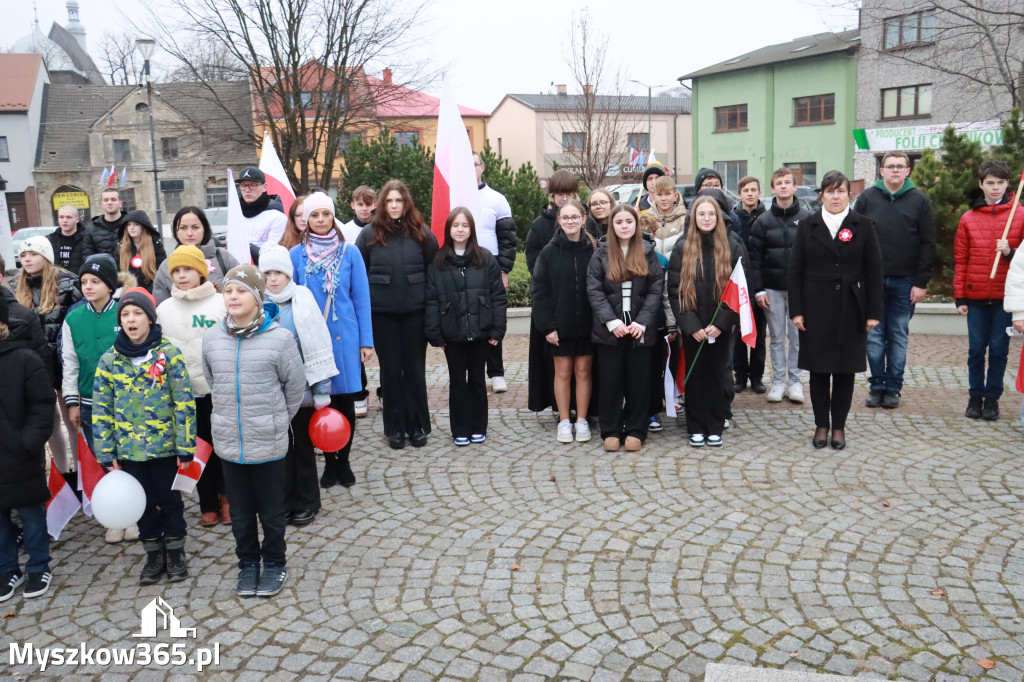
(986, 330)
(887, 343)
(37, 545)
(86, 411)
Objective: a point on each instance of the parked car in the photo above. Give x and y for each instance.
(625, 193)
(767, 203)
(689, 193)
(27, 233)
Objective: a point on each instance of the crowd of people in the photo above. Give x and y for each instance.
(147, 354)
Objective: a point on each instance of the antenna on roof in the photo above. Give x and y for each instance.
(35, 12)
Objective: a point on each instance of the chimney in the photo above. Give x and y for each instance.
(588, 89)
(387, 76)
(561, 89)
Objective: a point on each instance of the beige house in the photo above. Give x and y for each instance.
(546, 129)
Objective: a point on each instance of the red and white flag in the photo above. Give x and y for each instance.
(62, 505)
(737, 297)
(238, 238)
(185, 480)
(454, 173)
(277, 178)
(675, 382)
(89, 473)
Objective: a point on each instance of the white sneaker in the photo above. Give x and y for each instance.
(114, 535)
(565, 431)
(726, 424)
(776, 392)
(498, 384)
(582, 431)
(361, 408)
(795, 393)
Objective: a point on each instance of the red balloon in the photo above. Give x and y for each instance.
(329, 430)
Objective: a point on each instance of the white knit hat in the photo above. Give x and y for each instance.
(275, 257)
(315, 201)
(38, 244)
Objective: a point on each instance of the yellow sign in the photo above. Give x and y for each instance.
(76, 199)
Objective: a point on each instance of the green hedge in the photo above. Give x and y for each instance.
(519, 283)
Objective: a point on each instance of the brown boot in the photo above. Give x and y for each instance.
(208, 519)
(611, 444)
(633, 443)
(225, 511)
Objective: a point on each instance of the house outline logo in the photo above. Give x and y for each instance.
(150, 618)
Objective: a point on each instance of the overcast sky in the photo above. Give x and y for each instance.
(496, 48)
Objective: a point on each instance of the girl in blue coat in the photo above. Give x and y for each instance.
(333, 270)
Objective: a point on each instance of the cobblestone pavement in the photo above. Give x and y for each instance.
(900, 558)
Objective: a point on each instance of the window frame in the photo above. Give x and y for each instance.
(407, 131)
(216, 194)
(169, 148)
(731, 179)
(899, 97)
(797, 168)
(824, 103)
(127, 145)
(741, 113)
(5, 149)
(636, 138)
(898, 22)
(573, 136)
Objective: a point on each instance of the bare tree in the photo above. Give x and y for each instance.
(307, 61)
(119, 61)
(595, 121)
(208, 61)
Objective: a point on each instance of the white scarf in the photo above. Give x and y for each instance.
(833, 221)
(204, 290)
(311, 328)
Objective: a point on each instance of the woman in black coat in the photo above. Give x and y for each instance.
(624, 286)
(397, 248)
(465, 313)
(561, 312)
(835, 297)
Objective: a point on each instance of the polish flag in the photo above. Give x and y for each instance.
(62, 505)
(675, 382)
(454, 174)
(238, 240)
(113, 176)
(737, 297)
(185, 480)
(277, 179)
(89, 473)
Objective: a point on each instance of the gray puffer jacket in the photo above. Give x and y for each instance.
(257, 384)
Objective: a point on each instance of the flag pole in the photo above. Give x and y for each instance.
(1009, 221)
(693, 363)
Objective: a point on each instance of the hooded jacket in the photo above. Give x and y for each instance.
(217, 258)
(605, 296)
(102, 237)
(771, 239)
(688, 321)
(257, 385)
(67, 295)
(25, 324)
(905, 227)
(671, 226)
(185, 317)
(559, 287)
(67, 251)
(464, 302)
(974, 248)
(160, 255)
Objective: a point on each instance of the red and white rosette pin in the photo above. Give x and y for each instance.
(137, 261)
(845, 235)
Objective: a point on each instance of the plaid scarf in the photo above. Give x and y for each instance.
(323, 254)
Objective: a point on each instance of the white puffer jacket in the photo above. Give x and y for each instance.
(1013, 291)
(185, 317)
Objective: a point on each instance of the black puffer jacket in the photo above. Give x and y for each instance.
(465, 302)
(67, 295)
(26, 422)
(24, 325)
(559, 287)
(543, 229)
(747, 219)
(605, 296)
(102, 237)
(771, 239)
(689, 321)
(67, 251)
(398, 271)
(160, 254)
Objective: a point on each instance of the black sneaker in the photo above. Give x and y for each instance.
(758, 387)
(37, 584)
(9, 583)
(973, 410)
(272, 580)
(874, 399)
(248, 579)
(891, 400)
(990, 410)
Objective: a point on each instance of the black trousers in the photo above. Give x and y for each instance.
(211, 484)
(834, 402)
(363, 394)
(625, 375)
(401, 346)
(706, 397)
(467, 387)
(495, 365)
(257, 491)
(728, 338)
(747, 362)
(302, 489)
(165, 512)
(656, 392)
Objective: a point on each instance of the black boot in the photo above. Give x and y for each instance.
(177, 564)
(990, 410)
(345, 475)
(973, 410)
(156, 562)
(329, 478)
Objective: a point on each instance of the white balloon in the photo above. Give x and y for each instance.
(118, 500)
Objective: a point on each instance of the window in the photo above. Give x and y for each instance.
(128, 199)
(216, 197)
(172, 191)
(307, 100)
(326, 100)
(122, 151)
(814, 110)
(5, 154)
(804, 173)
(346, 140)
(909, 30)
(731, 172)
(907, 102)
(170, 147)
(730, 118)
(639, 141)
(142, 113)
(407, 138)
(573, 142)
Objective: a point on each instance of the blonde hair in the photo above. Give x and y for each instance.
(146, 252)
(48, 298)
(693, 259)
(665, 185)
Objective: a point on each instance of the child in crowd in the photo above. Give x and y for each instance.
(250, 426)
(465, 312)
(301, 315)
(26, 420)
(142, 248)
(144, 420)
(364, 203)
(195, 305)
(669, 210)
(296, 225)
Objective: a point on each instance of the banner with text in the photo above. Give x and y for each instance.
(905, 138)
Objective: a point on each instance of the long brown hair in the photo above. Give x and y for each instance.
(146, 252)
(292, 236)
(48, 298)
(474, 254)
(693, 258)
(634, 263)
(411, 221)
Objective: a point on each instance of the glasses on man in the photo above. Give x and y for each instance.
(891, 167)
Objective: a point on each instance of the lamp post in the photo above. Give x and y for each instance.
(650, 107)
(146, 47)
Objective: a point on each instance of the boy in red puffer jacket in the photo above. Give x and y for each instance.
(979, 240)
